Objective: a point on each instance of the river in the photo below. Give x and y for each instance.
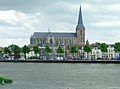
(61, 75)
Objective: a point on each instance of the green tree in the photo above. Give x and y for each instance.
(87, 48)
(60, 50)
(98, 45)
(117, 47)
(48, 50)
(36, 50)
(6, 50)
(16, 50)
(73, 50)
(103, 47)
(25, 49)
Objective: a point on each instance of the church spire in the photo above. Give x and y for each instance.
(80, 20)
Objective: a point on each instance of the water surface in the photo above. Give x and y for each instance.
(61, 76)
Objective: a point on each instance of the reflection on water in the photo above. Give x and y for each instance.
(61, 76)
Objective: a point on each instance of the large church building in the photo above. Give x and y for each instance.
(61, 38)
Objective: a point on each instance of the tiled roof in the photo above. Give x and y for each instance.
(45, 34)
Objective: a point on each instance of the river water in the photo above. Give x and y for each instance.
(61, 76)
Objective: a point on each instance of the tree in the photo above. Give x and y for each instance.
(48, 50)
(6, 50)
(15, 49)
(36, 50)
(60, 50)
(98, 45)
(73, 50)
(25, 49)
(87, 48)
(117, 47)
(103, 47)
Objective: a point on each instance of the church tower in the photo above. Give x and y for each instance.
(80, 30)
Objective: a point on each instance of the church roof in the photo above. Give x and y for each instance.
(45, 34)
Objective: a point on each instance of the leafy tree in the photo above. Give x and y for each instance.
(36, 50)
(6, 50)
(15, 49)
(117, 47)
(103, 47)
(87, 48)
(60, 50)
(48, 50)
(25, 49)
(73, 50)
(98, 45)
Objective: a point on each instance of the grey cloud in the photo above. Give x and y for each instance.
(101, 2)
(61, 15)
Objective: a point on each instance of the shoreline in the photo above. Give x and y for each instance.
(61, 61)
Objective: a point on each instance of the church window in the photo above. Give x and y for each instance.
(80, 32)
(64, 41)
(60, 41)
(69, 41)
(40, 40)
(37, 40)
(56, 41)
(51, 41)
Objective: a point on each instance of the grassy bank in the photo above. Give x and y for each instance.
(6, 80)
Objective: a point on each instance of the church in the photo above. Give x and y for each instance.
(61, 38)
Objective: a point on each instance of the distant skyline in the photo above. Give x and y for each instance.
(19, 19)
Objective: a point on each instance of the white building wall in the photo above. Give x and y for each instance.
(96, 53)
(31, 54)
(111, 52)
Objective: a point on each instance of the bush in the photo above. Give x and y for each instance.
(6, 80)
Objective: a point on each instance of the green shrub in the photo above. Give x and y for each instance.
(6, 80)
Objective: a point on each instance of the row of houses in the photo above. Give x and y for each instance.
(96, 53)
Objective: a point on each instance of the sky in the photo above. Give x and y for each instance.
(19, 19)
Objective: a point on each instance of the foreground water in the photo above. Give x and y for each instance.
(61, 76)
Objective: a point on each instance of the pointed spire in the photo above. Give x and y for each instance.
(87, 42)
(80, 21)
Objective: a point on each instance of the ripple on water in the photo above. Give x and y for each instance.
(61, 76)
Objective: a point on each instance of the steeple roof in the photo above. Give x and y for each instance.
(80, 20)
(87, 42)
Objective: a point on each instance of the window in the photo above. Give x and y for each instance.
(64, 41)
(80, 32)
(51, 41)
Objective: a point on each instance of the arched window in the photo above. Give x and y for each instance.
(51, 41)
(80, 32)
(70, 41)
(64, 41)
(60, 41)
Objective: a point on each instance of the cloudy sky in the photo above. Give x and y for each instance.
(19, 19)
